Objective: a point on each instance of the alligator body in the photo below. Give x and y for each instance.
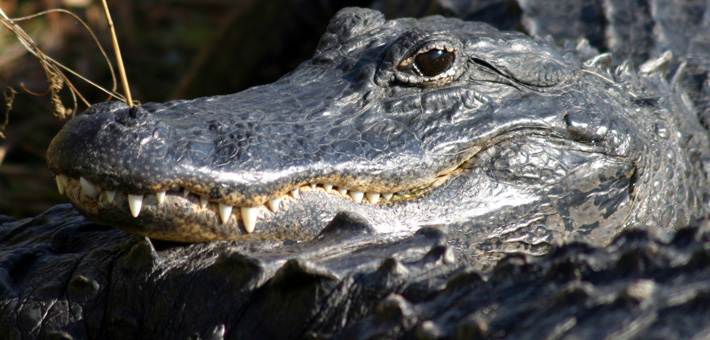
(502, 141)
(64, 277)
(489, 142)
(637, 288)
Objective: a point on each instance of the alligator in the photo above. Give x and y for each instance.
(502, 141)
(489, 143)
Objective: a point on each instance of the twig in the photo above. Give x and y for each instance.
(111, 92)
(53, 68)
(119, 59)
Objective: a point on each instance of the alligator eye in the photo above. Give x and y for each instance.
(433, 62)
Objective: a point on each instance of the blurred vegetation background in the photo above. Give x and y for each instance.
(171, 49)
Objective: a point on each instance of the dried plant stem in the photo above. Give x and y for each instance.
(55, 76)
(119, 59)
(111, 92)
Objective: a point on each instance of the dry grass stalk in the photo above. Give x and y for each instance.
(54, 70)
(119, 59)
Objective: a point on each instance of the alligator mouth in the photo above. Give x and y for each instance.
(228, 221)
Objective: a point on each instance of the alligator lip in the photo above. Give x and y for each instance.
(247, 214)
(226, 218)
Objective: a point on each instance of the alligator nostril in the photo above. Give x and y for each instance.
(134, 116)
(137, 112)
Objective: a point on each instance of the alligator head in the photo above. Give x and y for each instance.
(503, 141)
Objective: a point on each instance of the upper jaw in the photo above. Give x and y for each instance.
(155, 159)
(128, 167)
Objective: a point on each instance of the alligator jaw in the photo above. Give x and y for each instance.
(94, 199)
(190, 212)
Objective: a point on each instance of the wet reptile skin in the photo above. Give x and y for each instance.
(65, 277)
(515, 144)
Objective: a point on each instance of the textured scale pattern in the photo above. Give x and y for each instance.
(83, 281)
(64, 277)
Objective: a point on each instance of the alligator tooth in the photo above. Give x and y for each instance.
(160, 196)
(135, 202)
(65, 180)
(357, 196)
(373, 197)
(343, 191)
(203, 202)
(387, 197)
(327, 187)
(313, 185)
(294, 193)
(185, 192)
(225, 210)
(89, 189)
(274, 204)
(60, 185)
(249, 215)
(110, 194)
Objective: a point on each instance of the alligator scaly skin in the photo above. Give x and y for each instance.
(637, 288)
(63, 276)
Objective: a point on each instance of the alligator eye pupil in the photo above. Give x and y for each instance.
(434, 62)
